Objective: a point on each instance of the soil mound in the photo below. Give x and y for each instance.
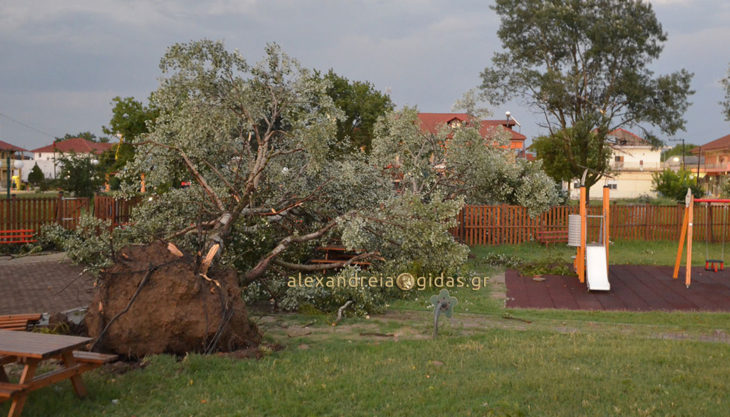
(152, 300)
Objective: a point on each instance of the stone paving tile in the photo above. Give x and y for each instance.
(43, 284)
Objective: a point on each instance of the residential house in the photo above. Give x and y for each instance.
(714, 171)
(633, 163)
(47, 156)
(432, 122)
(13, 152)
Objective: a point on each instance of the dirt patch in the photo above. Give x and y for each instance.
(170, 307)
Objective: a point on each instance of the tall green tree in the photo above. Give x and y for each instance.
(584, 64)
(551, 150)
(130, 120)
(362, 105)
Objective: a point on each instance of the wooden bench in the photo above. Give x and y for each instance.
(8, 390)
(8, 237)
(551, 236)
(93, 358)
(339, 253)
(19, 321)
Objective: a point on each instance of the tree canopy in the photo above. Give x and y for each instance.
(678, 150)
(256, 141)
(362, 105)
(584, 64)
(130, 120)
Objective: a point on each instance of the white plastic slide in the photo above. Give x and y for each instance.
(597, 268)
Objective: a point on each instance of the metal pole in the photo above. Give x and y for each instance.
(7, 172)
(699, 158)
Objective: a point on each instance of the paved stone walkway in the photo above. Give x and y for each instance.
(42, 284)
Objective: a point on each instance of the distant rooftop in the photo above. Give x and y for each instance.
(4, 146)
(431, 122)
(77, 145)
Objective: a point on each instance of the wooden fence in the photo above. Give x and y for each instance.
(495, 225)
(32, 213)
(117, 211)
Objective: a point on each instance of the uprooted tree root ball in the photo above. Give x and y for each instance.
(154, 300)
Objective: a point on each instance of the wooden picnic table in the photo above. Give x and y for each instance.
(31, 349)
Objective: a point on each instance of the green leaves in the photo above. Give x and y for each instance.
(585, 65)
(675, 184)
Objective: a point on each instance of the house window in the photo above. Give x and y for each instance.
(612, 186)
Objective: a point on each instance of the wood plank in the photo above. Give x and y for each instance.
(93, 357)
(37, 345)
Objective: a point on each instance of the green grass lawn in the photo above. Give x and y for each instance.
(488, 361)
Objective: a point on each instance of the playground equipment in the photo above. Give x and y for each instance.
(591, 260)
(686, 234)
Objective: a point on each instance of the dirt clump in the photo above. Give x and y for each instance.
(153, 300)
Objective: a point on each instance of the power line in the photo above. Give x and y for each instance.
(27, 125)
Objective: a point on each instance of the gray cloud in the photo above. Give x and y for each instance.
(64, 61)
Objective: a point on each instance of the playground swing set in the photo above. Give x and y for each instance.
(713, 265)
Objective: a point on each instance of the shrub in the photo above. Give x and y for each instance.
(675, 184)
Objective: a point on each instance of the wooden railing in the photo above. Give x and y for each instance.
(495, 225)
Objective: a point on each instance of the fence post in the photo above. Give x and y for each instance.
(13, 212)
(59, 208)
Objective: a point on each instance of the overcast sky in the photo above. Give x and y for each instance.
(62, 62)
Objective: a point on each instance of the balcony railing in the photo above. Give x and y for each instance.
(636, 166)
(723, 166)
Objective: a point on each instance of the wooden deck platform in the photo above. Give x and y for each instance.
(633, 287)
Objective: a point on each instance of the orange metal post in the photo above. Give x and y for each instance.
(142, 187)
(682, 237)
(582, 250)
(690, 220)
(606, 218)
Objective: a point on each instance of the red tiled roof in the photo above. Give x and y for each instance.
(431, 122)
(77, 145)
(630, 138)
(717, 144)
(4, 146)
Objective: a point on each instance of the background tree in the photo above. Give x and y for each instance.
(84, 135)
(35, 176)
(675, 184)
(678, 150)
(362, 104)
(551, 150)
(585, 65)
(130, 120)
(80, 175)
(726, 103)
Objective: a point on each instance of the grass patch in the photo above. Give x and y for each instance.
(497, 373)
(489, 361)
